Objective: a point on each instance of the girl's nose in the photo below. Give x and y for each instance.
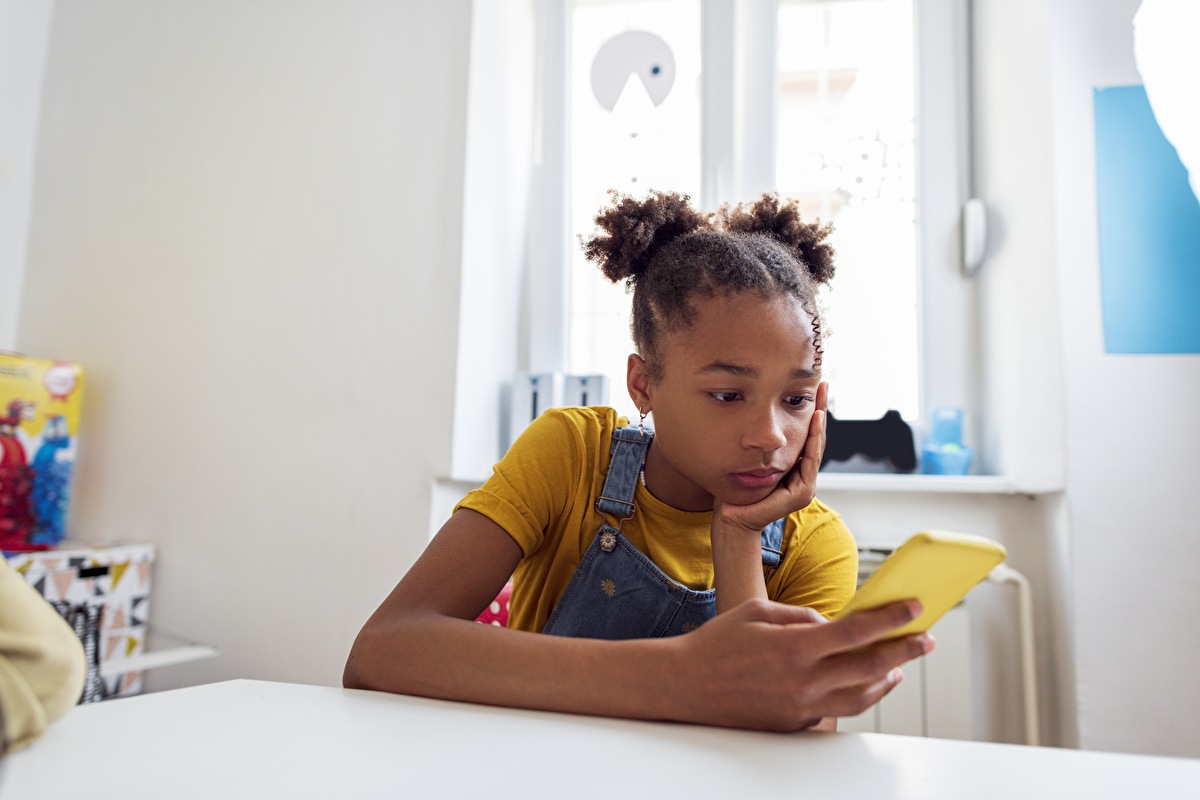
(764, 430)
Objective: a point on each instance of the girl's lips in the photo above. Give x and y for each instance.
(754, 480)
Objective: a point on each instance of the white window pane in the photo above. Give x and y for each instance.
(845, 132)
(846, 151)
(633, 148)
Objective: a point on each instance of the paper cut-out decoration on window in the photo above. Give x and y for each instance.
(633, 53)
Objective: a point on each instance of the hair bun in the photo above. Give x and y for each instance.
(631, 231)
(781, 220)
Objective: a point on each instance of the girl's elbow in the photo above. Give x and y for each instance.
(350, 676)
(373, 648)
(355, 675)
(377, 657)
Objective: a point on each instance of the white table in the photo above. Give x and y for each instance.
(266, 740)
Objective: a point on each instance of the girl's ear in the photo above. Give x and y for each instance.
(638, 382)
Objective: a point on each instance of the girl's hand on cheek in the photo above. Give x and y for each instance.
(798, 487)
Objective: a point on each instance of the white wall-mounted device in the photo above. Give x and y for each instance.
(974, 235)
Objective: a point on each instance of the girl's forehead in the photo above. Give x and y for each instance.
(719, 313)
(745, 329)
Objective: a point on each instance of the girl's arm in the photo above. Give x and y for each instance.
(762, 665)
(737, 565)
(423, 639)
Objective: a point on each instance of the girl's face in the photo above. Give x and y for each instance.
(732, 410)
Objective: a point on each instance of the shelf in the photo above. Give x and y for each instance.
(159, 653)
(928, 484)
(870, 482)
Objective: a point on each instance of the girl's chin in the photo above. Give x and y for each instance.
(743, 496)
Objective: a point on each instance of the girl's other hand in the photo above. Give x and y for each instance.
(771, 666)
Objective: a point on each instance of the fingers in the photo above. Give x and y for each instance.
(872, 664)
(862, 628)
(778, 613)
(852, 701)
(802, 481)
(814, 445)
(859, 656)
(812, 668)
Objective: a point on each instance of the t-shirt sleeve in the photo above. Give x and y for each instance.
(820, 567)
(531, 485)
(42, 663)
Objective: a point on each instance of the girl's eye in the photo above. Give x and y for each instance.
(797, 401)
(724, 397)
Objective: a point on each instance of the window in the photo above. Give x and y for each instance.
(846, 123)
(633, 148)
(816, 99)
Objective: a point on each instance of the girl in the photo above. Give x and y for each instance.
(682, 572)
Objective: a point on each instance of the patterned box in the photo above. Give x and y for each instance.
(104, 592)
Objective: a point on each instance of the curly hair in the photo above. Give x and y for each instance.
(666, 253)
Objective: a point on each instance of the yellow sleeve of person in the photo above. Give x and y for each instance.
(42, 663)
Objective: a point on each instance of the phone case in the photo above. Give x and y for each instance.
(936, 567)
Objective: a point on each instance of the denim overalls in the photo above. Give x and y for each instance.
(617, 592)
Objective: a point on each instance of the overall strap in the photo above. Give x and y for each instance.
(628, 451)
(772, 544)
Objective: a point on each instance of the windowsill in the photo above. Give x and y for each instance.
(881, 482)
(925, 484)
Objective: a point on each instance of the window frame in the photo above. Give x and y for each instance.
(737, 162)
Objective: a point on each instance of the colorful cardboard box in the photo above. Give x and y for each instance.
(104, 592)
(39, 429)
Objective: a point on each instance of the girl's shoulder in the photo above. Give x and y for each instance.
(820, 561)
(818, 521)
(815, 512)
(571, 438)
(581, 428)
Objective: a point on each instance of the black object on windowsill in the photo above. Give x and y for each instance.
(881, 443)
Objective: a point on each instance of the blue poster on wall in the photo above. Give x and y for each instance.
(1149, 231)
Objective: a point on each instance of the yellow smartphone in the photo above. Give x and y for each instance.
(936, 567)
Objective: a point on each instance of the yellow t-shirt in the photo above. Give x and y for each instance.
(543, 494)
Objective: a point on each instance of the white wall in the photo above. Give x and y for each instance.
(1021, 350)
(1128, 582)
(247, 226)
(24, 31)
(1132, 433)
